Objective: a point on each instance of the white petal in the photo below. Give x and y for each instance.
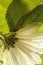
(33, 45)
(37, 36)
(33, 57)
(26, 52)
(18, 56)
(32, 28)
(27, 59)
(36, 58)
(1, 55)
(8, 60)
(34, 42)
(34, 36)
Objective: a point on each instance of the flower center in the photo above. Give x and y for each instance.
(9, 40)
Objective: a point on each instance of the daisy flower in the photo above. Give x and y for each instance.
(22, 47)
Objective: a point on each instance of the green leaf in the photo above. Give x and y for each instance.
(36, 15)
(21, 7)
(30, 4)
(3, 24)
(5, 3)
(17, 9)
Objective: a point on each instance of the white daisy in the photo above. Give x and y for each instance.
(22, 47)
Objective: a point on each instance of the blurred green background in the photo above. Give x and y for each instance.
(4, 4)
